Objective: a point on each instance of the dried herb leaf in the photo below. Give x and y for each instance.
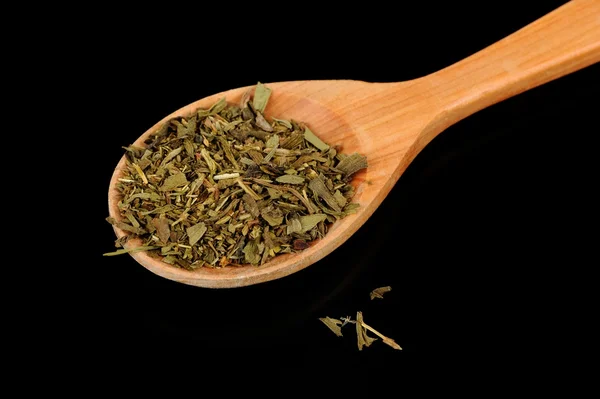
(130, 250)
(314, 140)
(246, 97)
(214, 109)
(294, 140)
(352, 164)
(189, 147)
(274, 216)
(310, 221)
(392, 343)
(256, 156)
(163, 231)
(251, 253)
(378, 292)
(274, 193)
(212, 165)
(174, 181)
(317, 185)
(294, 226)
(271, 154)
(262, 123)
(283, 122)
(261, 97)
(124, 226)
(196, 232)
(290, 179)
(362, 338)
(339, 197)
(133, 220)
(272, 141)
(251, 205)
(171, 155)
(333, 324)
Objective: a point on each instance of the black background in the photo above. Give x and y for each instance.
(469, 238)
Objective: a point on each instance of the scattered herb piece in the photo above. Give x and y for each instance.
(378, 292)
(333, 324)
(362, 338)
(130, 250)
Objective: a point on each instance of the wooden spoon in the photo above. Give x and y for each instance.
(390, 123)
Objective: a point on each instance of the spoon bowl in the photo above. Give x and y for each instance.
(391, 123)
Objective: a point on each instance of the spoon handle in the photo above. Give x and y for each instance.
(561, 42)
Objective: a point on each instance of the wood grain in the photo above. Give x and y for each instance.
(392, 122)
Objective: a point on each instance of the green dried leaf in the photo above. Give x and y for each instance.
(290, 179)
(196, 232)
(293, 141)
(261, 97)
(308, 222)
(291, 207)
(314, 140)
(283, 122)
(189, 147)
(294, 226)
(130, 250)
(251, 205)
(352, 164)
(163, 231)
(273, 141)
(378, 292)
(215, 109)
(274, 216)
(339, 197)
(251, 253)
(218, 106)
(186, 129)
(212, 165)
(262, 123)
(274, 193)
(271, 153)
(351, 208)
(362, 338)
(174, 181)
(142, 196)
(228, 153)
(317, 185)
(171, 260)
(132, 220)
(125, 226)
(256, 156)
(171, 155)
(333, 324)
(159, 210)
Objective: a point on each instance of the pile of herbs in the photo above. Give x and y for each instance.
(227, 186)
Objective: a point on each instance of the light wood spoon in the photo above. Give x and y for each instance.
(390, 123)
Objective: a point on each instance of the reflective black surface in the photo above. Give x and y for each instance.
(461, 238)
